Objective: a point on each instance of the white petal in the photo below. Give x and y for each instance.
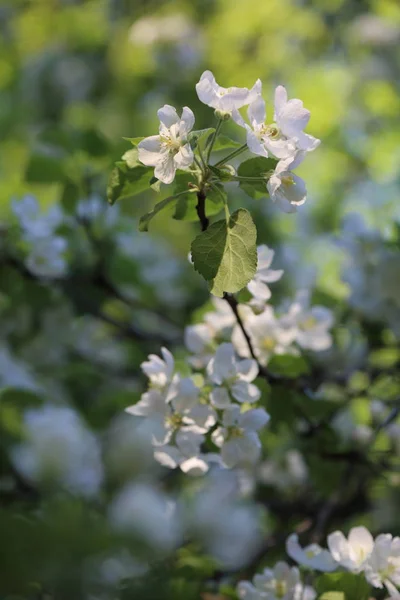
(247, 369)
(231, 415)
(360, 537)
(149, 151)
(296, 193)
(254, 144)
(280, 99)
(207, 88)
(247, 591)
(165, 169)
(168, 456)
(259, 290)
(220, 398)
(243, 391)
(256, 112)
(187, 122)
(293, 118)
(195, 466)
(168, 115)
(204, 417)
(184, 158)
(189, 443)
(238, 119)
(254, 419)
(338, 546)
(223, 367)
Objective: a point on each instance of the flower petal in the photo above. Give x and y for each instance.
(168, 115)
(149, 151)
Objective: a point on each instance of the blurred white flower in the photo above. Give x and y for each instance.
(159, 370)
(238, 438)
(382, 568)
(280, 583)
(312, 556)
(311, 324)
(46, 257)
(284, 472)
(151, 30)
(269, 335)
(351, 553)
(228, 528)
(147, 513)
(232, 377)
(59, 448)
(258, 285)
(224, 99)
(169, 150)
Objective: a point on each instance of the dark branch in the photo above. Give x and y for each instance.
(201, 209)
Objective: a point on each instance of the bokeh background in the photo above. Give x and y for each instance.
(76, 77)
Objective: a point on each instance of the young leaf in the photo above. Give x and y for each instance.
(223, 142)
(226, 253)
(134, 141)
(126, 181)
(348, 584)
(200, 137)
(145, 219)
(256, 167)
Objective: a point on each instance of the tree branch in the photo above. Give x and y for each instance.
(201, 209)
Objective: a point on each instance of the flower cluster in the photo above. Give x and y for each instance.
(378, 559)
(294, 325)
(282, 139)
(181, 411)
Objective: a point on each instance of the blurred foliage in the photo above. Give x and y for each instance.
(76, 77)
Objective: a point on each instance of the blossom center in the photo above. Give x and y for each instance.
(271, 131)
(171, 144)
(287, 180)
(268, 343)
(235, 432)
(174, 421)
(306, 325)
(280, 589)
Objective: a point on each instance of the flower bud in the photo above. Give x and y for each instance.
(222, 115)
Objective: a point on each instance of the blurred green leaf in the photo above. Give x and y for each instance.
(288, 365)
(256, 167)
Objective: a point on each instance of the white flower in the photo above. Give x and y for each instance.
(145, 511)
(179, 410)
(159, 370)
(60, 448)
(225, 99)
(351, 553)
(169, 150)
(280, 583)
(46, 259)
(218, 518)
(285, 136)
(268, 334)
(237, 438)
(311, 323)
(383, 565)
(312, 556)
(258, 285)
(286, 188)
(263, 139)
(233, 377)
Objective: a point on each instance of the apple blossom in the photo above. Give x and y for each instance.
(285, 187)
(170, 150)
(232, 377)
(312, 323)
(291, 118)
(237, 438)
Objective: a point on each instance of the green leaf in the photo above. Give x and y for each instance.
(134, 141)
(288, 365)
(256, 167)
(200, 137)
(186, 205)
(349, 585)
(145, 219)
(128, 178)
(223, 142)
(226, 253)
